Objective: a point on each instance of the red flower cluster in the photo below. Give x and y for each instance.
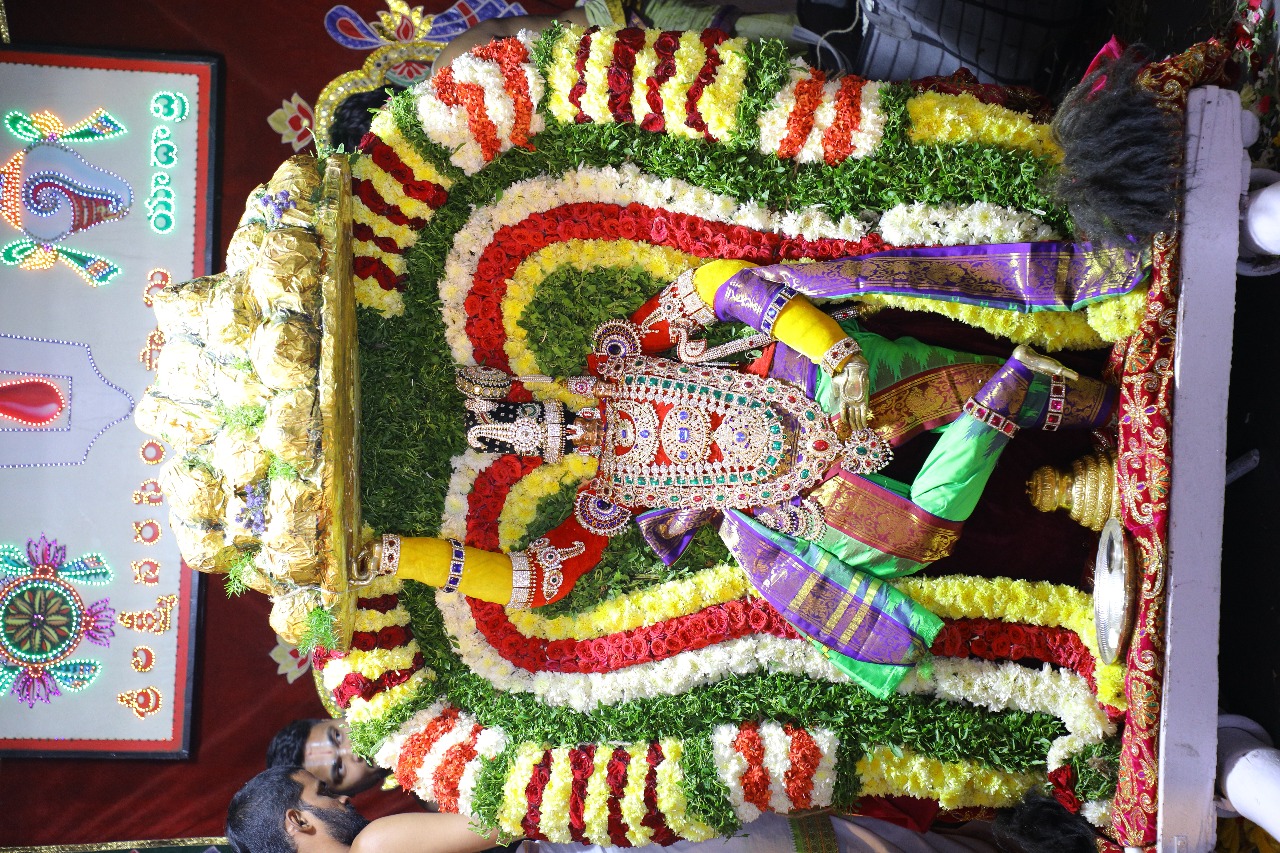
(804, 756)
(582, 761)
(755, 779)
(533, 793)
(469, 96)
(356, 685)
(616, 780)
(618, 77)
(991, 639)
(1064, 788)
(489, 493)
(448, 776)
(418, 744)
(653, 818)
(579, 87)
(837, 142)
(385, 158)
(390, 637)
(808, 94)
(711, 39)
(510, 54)
(714, 624)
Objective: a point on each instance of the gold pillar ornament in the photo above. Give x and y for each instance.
(1089, 492)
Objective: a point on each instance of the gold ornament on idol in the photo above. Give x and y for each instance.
(1089, 492)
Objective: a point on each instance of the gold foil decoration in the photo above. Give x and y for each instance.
(232, 315)
(237, 455)
(181, 424)
(237, 386)
(291, 428)
(289, 613)
(291, 540)
(283, 353)
(1089, 492)
(242, 250)
(181, 309)
(284, 278)
(203, 546)
(193, 490)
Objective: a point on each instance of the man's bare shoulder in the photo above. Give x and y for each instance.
(420, 832)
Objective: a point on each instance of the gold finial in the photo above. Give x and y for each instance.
(1089, 492)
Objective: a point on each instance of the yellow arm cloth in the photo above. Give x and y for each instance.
(800, 324)
(485, 575)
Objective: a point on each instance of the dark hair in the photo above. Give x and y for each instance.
(255, 818)
(287, 747)
(1120, 178)
(1041, 824)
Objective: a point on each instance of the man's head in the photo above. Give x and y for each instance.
(288, 810)
(323, 748)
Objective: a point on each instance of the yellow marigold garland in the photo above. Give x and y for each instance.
(554, 811)
(953, 784)
(941, 119)
(661, 262)
(548, 479)
(671, 799)
(595, 808)
(637, 609)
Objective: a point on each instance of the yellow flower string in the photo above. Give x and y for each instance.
(719, 102)
(1051, 330)
(940, 119)
(953, 784)
(553, 817)
(515, 804)
(671, 799)
(632, 803)
(1117, 318)
(1029, 602)
(648, 606)
(595, 807)
(661, 262)
(521, 505)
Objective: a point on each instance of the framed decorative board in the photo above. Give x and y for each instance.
(106, 195)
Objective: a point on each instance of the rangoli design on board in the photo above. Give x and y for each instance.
(49, 192)
(43, 620)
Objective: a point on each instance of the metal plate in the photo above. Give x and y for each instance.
(1113, 590)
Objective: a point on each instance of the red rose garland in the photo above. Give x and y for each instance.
(616, 780)
(582, 762)
(653, 818)
(665, 49)
(618, 78)
(693, 115)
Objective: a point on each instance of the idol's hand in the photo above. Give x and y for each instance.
(853, 385)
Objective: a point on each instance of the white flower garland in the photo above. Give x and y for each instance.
(449, 126)
(466, 467)
(961, 225)
(864, 140)
(677, 674)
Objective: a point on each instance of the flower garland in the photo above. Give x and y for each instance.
(815, 120)
(685, 84)
(395, 193)
(632, 794)
(888, 772)
(483, 103)
(1028, 602)
(943, 119)
(920, 224)
(521, 504)
(379, 672)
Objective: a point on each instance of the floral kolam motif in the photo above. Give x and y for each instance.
(43, 620)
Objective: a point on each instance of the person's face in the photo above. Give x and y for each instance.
(328, 757)
(334, 811)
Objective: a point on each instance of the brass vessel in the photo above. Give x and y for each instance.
(1089, 491)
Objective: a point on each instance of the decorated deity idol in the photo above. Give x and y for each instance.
(783, 454)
